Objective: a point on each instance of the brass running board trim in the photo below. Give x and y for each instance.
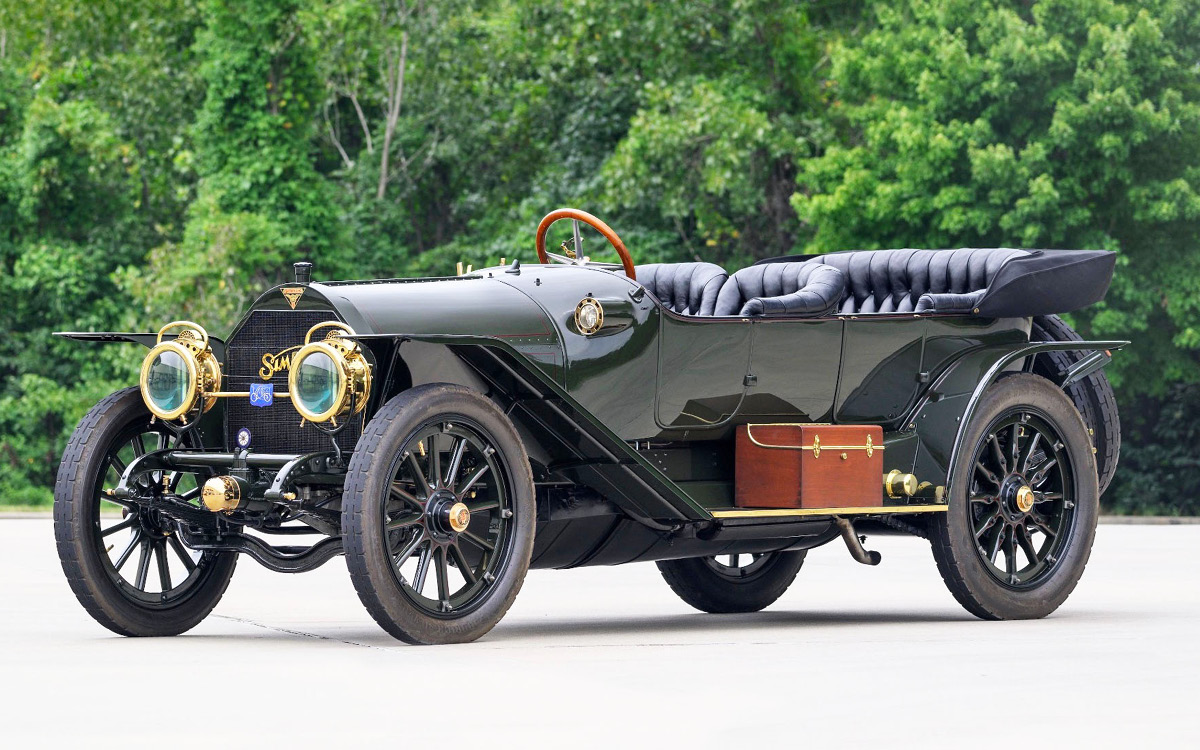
(877, 511)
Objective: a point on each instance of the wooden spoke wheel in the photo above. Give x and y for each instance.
(438, 515)
(733, 582)
(123, 559)
(1024, 501)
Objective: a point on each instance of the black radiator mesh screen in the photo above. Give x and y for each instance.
(276, 428)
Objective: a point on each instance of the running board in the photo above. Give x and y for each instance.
(879, 510)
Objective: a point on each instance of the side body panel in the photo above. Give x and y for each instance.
(794, 369)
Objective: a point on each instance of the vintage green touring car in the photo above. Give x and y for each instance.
(447, 434)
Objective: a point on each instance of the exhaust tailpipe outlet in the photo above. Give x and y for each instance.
(853, 543)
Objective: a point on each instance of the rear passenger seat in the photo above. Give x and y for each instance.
(990, 282)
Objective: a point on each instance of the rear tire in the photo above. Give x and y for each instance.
(1093, 396)
(1033, 507)
(710, 586)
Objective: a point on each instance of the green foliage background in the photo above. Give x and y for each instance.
(167, 159)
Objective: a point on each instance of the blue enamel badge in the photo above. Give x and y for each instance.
(262, 394)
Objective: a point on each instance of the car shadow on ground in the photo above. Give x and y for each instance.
(659, 629)
(702, 622)
(656, 629)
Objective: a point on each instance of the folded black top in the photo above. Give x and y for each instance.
(988, 282)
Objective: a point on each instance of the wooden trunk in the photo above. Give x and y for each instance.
(809, 466)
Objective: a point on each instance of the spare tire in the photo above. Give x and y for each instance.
(1092, 396)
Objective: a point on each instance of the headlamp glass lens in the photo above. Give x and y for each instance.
(317, 383)
(167, 381)
(589, 316)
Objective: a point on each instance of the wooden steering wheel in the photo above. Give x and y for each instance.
(577, 216)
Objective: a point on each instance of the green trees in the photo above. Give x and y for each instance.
(1072, 123)
(168, 158)
(261, 201)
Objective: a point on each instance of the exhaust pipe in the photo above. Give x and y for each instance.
(854, 544)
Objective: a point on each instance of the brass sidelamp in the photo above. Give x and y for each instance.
(181, 374)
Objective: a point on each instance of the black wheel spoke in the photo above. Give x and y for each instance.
(126, 504)
(422, 569)
(190, 495)
(998, 454)
(143, 565)
(410, 548)
(443, 581)
(1039, 476)
(480, 543)
(1014, 449)
(1027, 545)
(467, 485)
(182, 553)
(117, 463)
(982, 499)
(986, 524)
(134, 541)
(461, 563)
(1046, 497)
(127, 523)
(1041, 525)
(1033, 442)
(435, 462)
(139, 448)
(400, 493)
(1010, 557)
(164, 570)
(404, 521)
(419, 475)
(987, 473)
(456, 457)
(996, 543)
(479, 506)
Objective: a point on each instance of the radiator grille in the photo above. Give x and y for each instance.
(276, 428)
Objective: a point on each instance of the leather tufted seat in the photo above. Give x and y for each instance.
(805, 289)
(686, 288)
(886, 281)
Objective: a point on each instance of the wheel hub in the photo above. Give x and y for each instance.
(1016, 497)
(1024, 499)
(459, 517)
(447, 514)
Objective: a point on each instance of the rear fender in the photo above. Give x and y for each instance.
(941, 415)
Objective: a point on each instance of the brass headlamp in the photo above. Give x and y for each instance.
(180, 374)
(329, 377)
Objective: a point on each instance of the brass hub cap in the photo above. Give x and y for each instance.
(459, 517)
(1025, 499)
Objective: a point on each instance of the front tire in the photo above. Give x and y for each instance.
(132, 575)
(722, 585)
(1023, 506)
(438, 515)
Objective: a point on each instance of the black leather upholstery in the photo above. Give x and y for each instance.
(781, 289)
(686, 288)
(883, 281)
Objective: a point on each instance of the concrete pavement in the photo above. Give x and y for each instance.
(608, 657)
